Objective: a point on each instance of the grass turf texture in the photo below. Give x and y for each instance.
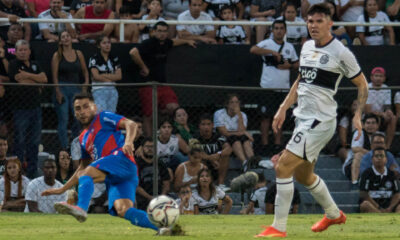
(16, 226)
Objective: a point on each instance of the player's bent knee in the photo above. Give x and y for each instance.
(121, 210)
(305, 180)
(97, 175)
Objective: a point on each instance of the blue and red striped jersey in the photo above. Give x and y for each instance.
(102, 137)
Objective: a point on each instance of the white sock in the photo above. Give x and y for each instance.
(283, 200)
(321, 194)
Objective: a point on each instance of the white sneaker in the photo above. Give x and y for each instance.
(75, 211)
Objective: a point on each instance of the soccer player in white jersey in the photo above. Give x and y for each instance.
(323, 62)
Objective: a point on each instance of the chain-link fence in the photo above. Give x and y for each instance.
(43, 121)
(135, 100)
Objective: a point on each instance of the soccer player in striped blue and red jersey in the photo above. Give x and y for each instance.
(107, 156)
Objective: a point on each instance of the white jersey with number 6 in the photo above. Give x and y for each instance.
(321, 69)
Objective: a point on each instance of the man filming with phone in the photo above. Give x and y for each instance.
(278, 58)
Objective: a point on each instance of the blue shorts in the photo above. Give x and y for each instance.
(122, 177)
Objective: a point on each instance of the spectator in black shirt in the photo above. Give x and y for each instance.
(15, 33)
(3, 154)
(3, 78)
(146, 174)
(151, 57)
(138, 141)
(27, 113)
(270, 200)
(216, 148)
(12, 11)
(3, 63)
(379, 188)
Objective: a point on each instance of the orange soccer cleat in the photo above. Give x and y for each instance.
(75, 211)
(323, 224)
(271, 232)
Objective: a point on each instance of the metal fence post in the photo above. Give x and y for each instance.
(154, 133)
(121, 31)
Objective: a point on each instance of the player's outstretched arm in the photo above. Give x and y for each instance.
(290, 99)
(74, 180)
(362, 86)
(131, 131)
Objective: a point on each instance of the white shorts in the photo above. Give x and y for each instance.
(309, 137)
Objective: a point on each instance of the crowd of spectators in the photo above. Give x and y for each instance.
(197, 10)
(194, 159)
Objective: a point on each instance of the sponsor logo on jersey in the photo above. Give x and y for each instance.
(324, 59)
(388, 184)
(309, 75)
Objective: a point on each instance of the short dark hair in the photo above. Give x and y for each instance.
(146, 139)
(377, 134)
(185, 185)
(225, 7)
(83, 95)
(163, 119)
(3, 137)
(50, 160)
(15, 24)
(378, 149)
(288, 4)
(160, 23)
(99, 39)
(321, 8)
(279, 21)
(205, 116)
(370, 115)
(229, 97)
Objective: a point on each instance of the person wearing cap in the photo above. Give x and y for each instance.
(379, 103)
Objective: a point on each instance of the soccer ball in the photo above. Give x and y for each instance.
(163, 211)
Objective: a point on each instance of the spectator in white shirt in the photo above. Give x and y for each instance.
(35, 202)
(213, 8)
(13, 187)
(154, 13)
(172, 8)
(232, 123)
(294, 34)
(374, 35)
(185, 200)
(230, 34)
(349, 11)
(203, 33)
(379, 102)
(50, 31)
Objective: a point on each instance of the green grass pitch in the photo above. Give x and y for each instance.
(15, 226)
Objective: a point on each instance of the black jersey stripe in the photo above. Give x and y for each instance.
(318, 77)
